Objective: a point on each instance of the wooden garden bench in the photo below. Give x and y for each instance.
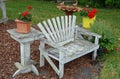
(66, 42)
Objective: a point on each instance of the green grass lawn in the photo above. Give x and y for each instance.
(41, 10)
(44, 10)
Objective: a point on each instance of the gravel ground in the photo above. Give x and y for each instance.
(80, 68)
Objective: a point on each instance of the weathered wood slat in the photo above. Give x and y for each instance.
(52, 30)
(66, 27)
(59, 28)
(63, 27)
(56, 28)
(44, 31)
(74, 49)
(69, 26)
(49, 31)
(52, 64)
(73, 25)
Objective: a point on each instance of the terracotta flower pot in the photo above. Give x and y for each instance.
(22, 27)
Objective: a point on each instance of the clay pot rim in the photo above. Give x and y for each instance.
(17, 20)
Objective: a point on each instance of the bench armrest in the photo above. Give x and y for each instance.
(86, 32)
(89, 33)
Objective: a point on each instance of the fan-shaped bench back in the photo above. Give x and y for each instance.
(59, 30)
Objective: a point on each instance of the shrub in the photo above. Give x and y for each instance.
(107, 40)
(92, 3)
(83, 2)
(113, 3)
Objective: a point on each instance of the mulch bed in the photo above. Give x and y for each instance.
(80, 68)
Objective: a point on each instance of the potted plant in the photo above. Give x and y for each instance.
(88, 17)
(108, 39)
(23, 21)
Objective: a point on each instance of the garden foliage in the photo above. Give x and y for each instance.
(100, 3)
(108, 38)
(113, 3)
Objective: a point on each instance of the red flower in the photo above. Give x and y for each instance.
(29, 7)
(25, 13)
(91, 14)
(94, 10)
(116, 48)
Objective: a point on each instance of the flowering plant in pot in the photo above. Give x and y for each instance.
(23, 21)
(89, 17)
(108, 40)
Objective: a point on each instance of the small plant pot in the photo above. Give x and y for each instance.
(86, 22)
(22, 27)
(100, 51)
(93, 19)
